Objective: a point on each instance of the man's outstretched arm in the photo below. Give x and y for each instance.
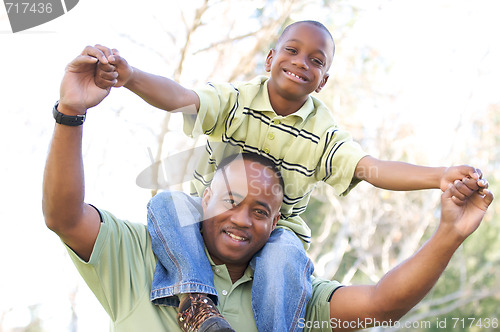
(462, 210)
(64, 209)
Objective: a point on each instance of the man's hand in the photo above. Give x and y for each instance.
(116, 72)
(78, 89)
(458, 173)
(464, 204)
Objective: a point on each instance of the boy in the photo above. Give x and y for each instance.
(277, 118)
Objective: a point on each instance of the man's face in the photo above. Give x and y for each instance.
(299, 64)
(241, 209)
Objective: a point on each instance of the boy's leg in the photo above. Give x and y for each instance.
(282, 282)
(183, 267)
(183, 270)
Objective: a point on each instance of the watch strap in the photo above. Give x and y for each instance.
(67, 120)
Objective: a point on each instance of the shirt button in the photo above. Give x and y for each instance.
(276, 121)
(266, 150)
(270, 136)
(217, 270)
(224, 292)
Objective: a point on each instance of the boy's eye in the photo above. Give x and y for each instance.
(317, 62)
(290, 50)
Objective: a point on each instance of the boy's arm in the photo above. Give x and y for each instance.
(64, 209)
(462, 210)
(396, 175)
(158, 91)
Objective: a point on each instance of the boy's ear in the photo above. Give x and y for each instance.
(323, 82)
(269, 60)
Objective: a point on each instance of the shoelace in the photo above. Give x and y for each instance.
(193, 316)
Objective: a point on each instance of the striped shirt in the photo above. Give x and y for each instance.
(307, 146)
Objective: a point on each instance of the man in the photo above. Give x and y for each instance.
(241, 208)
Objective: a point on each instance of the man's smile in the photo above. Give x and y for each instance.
(233, 236)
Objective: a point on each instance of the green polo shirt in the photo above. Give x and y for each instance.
(307, 146)
(120, 272)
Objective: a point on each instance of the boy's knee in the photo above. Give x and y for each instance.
(167, 198)
(175, 205)
(285, 238)
(163, 196)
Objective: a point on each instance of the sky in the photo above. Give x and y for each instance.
(444, 69)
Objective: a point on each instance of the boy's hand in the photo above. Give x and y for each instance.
(116, 72)
(78, 89)
(458, 173)
(464, 204)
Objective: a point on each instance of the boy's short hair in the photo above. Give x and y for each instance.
(315, 23)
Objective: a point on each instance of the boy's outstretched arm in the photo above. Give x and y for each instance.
(396, 175)
(158, 91)
(462, 210)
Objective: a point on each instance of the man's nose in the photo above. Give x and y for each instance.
(240, 216)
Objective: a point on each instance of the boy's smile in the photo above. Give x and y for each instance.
(299, 65)
(296, 77)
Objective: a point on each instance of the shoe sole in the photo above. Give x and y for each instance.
(215, 324)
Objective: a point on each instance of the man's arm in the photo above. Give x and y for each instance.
(158, 91)
(462, 210)
(396, 175)
(65, 212)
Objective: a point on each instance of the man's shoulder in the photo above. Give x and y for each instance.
(317, 317)
(119, 243)
(117, 223)
(119, 236)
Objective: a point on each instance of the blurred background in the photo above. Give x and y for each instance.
(414, 81)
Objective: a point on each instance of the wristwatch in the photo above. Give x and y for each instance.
(67, 120)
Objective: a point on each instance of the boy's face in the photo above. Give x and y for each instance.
(299, 64)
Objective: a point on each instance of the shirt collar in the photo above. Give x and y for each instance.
(247, 275)
(262, 103)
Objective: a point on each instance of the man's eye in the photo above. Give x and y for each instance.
(230, 201)
(261, 213)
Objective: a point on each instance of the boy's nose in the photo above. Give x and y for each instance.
(300, 61)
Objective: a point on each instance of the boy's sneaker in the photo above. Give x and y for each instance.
(198, 313)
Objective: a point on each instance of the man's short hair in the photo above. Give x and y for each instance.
(255, 157)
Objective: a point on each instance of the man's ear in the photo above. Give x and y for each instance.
(269, 60)
(207, 194)
(275, 220)
(323, 82)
